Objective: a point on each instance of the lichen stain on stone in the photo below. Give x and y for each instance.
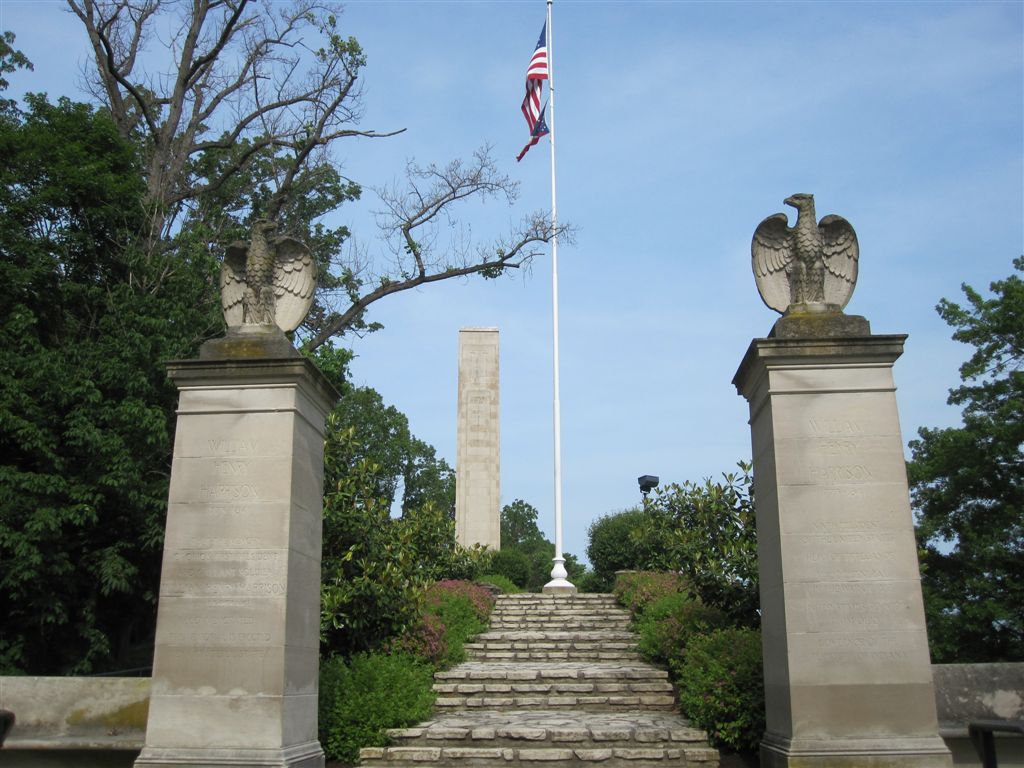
(129, 717)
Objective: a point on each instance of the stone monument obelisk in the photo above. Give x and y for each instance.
(847, 673)
(235, 669)
(478, 454)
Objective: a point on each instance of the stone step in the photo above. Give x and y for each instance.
(569, 654)
(592, 702)
(553, 688)
(555, 680)
(590, 620)
(583, 646)
(543, 611)
(554, 671)
(580, 597)
(566, 624)
(553, 635)
(548, 609)
(530, 737)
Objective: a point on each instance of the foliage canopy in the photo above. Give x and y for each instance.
(967, 485)
(86, 412)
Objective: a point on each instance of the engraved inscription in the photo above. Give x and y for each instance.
(846, 448)
(232, 447)
(236, 468)
(822, 426)
(841, 473)
(846, 526)
(867, 647)
(218, 638)
(229, 492)
(216, 556)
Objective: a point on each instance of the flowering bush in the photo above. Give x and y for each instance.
(425, 640)
(442, 592)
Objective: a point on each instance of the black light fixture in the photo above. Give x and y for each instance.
(647, 483)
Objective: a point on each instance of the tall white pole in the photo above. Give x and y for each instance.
(559, 583)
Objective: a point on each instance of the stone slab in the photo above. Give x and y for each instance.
(478, 440)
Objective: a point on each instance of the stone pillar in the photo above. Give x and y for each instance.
(848, 680)
(237, 642)
(478, 455)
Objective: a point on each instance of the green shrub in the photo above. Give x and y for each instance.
(362, 698)
(513, 564)
(638, 589)
(667, 625)
(588, 581)
(611, 547)
(505, 584)
(721, 688)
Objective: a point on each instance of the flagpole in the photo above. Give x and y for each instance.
(559, 583)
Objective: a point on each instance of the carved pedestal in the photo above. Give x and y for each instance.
(236, 662)
(847, 674)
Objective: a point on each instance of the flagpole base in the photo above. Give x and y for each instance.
(559, 584)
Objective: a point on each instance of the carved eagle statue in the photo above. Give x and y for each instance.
(809, 267)
(268, 281)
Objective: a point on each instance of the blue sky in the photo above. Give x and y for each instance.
(680, 126)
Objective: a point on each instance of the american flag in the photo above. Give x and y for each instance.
(536, 74)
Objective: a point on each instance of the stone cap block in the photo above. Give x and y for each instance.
(812, 325)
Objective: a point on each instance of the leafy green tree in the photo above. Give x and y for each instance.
(616, 544)
(967, 485)
(526, 556)
(376, 567)
(86, 412)
(406, 468)
(519, 525)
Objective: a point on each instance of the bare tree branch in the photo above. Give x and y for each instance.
(243, 74)
(430, 193)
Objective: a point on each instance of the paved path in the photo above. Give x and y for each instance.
(556, 680)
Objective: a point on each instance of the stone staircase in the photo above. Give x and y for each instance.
(556, 680)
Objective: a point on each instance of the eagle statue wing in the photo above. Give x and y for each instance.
(771, 250)
(294, 282)
(840, 252)
(232, 283)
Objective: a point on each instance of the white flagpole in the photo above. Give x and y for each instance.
(559, 583)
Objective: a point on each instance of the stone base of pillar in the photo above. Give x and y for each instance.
(559, 588)
(308, 755)
(779, 752)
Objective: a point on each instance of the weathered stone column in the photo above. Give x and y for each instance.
(847, 675)
(478, 453)
(237, 642)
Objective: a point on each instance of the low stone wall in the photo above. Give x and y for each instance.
(100, 722)
(965, 692)
(85, 722)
